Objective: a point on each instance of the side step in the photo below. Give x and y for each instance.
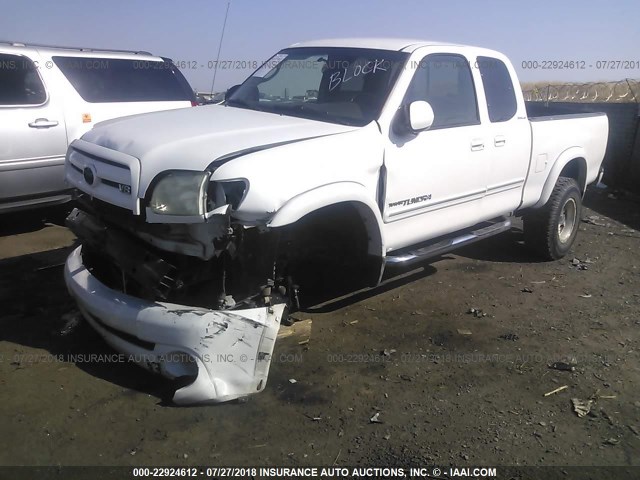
(442, 245)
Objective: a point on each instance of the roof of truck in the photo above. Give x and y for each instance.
(399, 44)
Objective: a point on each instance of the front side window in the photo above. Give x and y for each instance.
(20, 83)
(338, 85)
(104, 80)
(445, 81)
(498, 88)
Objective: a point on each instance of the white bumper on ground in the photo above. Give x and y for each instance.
(228, 352)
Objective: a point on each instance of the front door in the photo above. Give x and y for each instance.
(435, 180)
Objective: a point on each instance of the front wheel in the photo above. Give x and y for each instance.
(551, 230)
(325, 255)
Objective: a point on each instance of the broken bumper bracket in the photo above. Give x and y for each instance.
(132, 257)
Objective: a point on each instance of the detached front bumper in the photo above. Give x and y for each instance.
(227, 352)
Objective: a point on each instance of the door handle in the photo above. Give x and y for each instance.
(477, 144)
(43, 123)
(499, 141)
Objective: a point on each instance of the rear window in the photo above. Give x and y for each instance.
(20, 83)
(104, 80)
(498, 88)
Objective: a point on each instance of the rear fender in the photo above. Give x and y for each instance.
(573, 153)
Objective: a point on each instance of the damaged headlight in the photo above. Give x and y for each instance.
(180, 192)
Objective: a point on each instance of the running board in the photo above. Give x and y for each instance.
(433, 249)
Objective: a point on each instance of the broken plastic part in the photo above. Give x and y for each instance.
(218, 211)
(234, 355)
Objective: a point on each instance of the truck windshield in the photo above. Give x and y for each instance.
(337, 85)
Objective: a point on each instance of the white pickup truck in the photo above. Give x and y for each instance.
(202, 227)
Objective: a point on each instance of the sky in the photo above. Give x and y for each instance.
(189, 31)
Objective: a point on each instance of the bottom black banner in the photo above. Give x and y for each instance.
(260, 473)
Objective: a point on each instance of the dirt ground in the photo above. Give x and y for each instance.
(448, 387)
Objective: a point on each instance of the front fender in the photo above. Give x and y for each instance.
(332, 194)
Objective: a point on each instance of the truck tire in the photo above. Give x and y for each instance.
(551, 230)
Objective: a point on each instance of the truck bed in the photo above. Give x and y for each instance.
(557, 132)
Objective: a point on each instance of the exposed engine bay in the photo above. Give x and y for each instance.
(215, 265)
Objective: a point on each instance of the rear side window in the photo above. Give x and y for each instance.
(104, 80)
(445, 82)
(498, 88)
(20, 83)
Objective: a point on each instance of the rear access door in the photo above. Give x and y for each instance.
(508, 140)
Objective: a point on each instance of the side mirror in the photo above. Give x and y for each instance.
(420, 116)
(231, 91)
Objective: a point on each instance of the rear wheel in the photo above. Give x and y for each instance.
(551, 230)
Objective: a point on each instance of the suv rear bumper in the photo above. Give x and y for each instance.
(228, 352)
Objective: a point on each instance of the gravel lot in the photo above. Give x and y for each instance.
(446, 386)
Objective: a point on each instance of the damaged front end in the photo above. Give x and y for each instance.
(201, 301)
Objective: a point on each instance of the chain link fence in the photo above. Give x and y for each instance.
(623, 91)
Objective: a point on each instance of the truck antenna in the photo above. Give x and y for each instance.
(215, 70)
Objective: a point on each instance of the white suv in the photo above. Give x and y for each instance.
(49, 96)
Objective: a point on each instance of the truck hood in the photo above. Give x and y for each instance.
(192, 138)
(122, 157)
